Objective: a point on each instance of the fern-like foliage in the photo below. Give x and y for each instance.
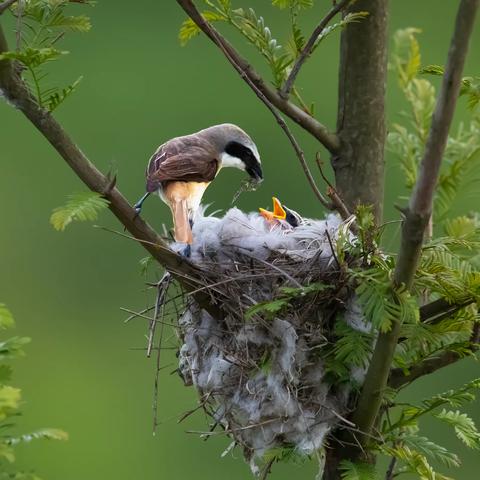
(462, 156)
(253, 27)
(463, 425)
(357, 471)
(382, 304)
(10, 403)
(414, 451)
(470, 85)
(284, 300)
(189, 29)
(43, 23)
(351, 349)
(80, 207)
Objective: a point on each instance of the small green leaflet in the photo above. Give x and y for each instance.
(357, 471)
(12, 348)
(292, 3)
(9, 400)
(271, 307)
(80, 207)
(49, 15)
(268, 308)
(416, 463)
(33, 57)
(470, 85)
(44, 434)
(145, 262)
(431, 449)
(6, 318)
(352, 347)
(57, 96)
(464, 426)
(354, 17)
(43, 23)
(189, 28)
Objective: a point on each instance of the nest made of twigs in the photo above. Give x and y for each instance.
(260, 370)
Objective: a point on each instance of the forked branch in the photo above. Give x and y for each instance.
(231, 56)
(328, 139)
(418, 213)
(309, 46)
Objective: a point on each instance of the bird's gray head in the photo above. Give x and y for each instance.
(236, 149)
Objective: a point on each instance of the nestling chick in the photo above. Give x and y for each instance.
(282, 215)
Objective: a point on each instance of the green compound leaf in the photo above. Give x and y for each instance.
(80, 207)
(464, 427)
(357, 471)
(189, 28)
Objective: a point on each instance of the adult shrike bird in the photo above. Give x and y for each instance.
(181, 169)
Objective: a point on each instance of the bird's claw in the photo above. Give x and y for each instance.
(187, 251)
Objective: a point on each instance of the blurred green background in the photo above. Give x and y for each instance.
(84, 372)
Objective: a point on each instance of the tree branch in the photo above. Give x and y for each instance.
(207, 28)
(417, 215)
(16, 93)
(309, 46)
(440, 309)
(398, 378)
(5, 5)
(250, 76)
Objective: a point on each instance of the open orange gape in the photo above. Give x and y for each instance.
(278, 213)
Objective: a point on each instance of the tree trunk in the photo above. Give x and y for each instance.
(359, 165)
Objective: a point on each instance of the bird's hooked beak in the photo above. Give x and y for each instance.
(278, 213)
(255, 172)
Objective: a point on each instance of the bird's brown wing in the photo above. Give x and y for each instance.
(182, 161)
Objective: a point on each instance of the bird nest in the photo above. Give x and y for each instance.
(263, 371)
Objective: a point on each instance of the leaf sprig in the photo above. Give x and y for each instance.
(43, 23)
(80, 207)
(10, 403)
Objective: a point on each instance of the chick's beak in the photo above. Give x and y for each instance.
(278, 213)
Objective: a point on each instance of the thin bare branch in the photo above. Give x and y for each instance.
(232, 57)
(309, 46)
(16, 93)
(440, 309)
(6, 5)
(251, 77)
(337, 202)
(418, 214)
(390, 474)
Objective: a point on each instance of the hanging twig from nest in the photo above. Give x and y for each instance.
(162, 286)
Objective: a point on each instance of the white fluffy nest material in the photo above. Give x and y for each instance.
(262, 378)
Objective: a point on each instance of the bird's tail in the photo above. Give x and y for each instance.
(183, 230)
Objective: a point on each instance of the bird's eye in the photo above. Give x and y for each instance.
(291, 219)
